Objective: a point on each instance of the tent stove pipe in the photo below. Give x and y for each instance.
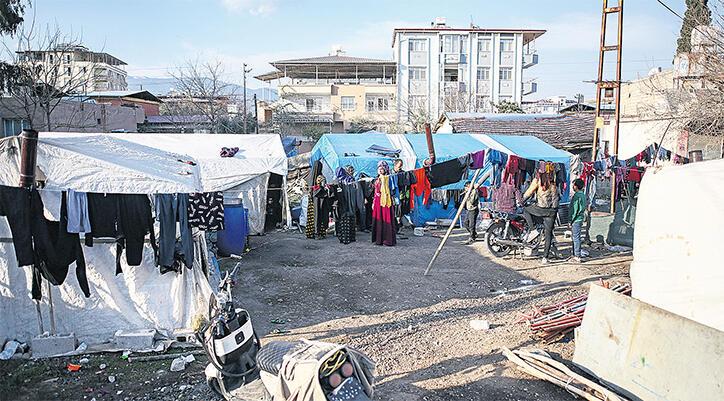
(430, 145)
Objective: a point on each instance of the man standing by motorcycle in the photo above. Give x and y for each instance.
(546, 206)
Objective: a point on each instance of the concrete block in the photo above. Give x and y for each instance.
(45, 346)
(135, 340)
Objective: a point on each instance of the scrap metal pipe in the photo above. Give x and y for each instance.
(28, 157)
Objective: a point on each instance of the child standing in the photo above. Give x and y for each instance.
(577, 211)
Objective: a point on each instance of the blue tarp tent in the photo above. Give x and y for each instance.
(336, 150)
(447, 146)
(528, 147)
(339, 150)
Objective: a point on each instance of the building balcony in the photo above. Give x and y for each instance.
(529, 87)
(453, 88)
(530, 59)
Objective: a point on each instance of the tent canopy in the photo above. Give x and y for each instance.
(677, 259)
(146, 163)
(336, 150)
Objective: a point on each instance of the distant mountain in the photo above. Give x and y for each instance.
(162, 86)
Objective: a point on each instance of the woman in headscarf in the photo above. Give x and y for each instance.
(383, 215)
(346, 206)
(322, 199)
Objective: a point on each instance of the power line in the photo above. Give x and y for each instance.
(670, 10)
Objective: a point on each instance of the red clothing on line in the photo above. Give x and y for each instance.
(421, 187)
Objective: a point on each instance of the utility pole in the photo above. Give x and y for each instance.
(256, 117)
(244, 71)
(608, 85)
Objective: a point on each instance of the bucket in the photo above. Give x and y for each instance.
(232, 239)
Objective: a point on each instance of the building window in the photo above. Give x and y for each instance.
(68, 71)
(50, 58)
(483, 73)
(418, 74)
(450, 44)
(13, 126)
(348, 103)
(506, 45)
(484, 45)
(85, 69)
(67, 58)
(313, 105)
(378, 103)
(418, 45)
(506, 74)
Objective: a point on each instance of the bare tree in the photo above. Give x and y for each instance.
(204, 92)
(692, 96)
(40, 75)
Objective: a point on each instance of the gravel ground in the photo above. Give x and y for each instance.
(416, 328)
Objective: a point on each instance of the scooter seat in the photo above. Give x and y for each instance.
(271, 355)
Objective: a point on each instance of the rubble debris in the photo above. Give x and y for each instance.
(552, 322)
(537, 363)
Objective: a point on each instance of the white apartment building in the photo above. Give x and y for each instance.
(79, 69)
(441, 69)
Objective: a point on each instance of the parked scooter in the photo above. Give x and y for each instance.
(508, 232)
(240, 369)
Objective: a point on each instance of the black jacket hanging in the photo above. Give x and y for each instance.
(55, 249)
(15, 205)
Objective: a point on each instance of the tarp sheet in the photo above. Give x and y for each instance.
(678, 251)
(140, 298)
(331, 149)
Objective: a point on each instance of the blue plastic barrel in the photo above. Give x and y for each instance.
(232, 239)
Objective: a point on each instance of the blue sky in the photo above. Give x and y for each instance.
(153, 36)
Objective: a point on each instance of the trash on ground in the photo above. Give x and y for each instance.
(10, 348)
(179, 364)
(278, 321)
(480, 325)
(83, 361)
(111, 379)
(73, 367)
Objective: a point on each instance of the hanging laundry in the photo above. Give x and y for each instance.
(15, 205)
(103, 216)
(170, 209)
(447, 172)
(511, 169)
(477, 160)
(78, 220)
(507, 197)
(55, 249)
(497, 159)
(135, 221)
(206, 211)
(420, 187)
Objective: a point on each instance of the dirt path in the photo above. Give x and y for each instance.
(374, 298)
(416, 328)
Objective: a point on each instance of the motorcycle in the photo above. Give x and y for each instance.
(508, 232)
(241, 369)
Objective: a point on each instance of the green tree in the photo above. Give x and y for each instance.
(697, 13)
(11, 16)
(508, 107)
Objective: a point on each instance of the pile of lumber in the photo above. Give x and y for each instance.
(538, 364)
(552, 322)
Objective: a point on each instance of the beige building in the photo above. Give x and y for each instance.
(78, 69)
(332, 93)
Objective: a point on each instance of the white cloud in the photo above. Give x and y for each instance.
(253, 7)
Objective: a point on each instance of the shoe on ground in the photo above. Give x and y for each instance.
(577, 259)
(544, 261)
(469, 241)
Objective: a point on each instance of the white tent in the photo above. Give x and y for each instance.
(678, 251)
(141, 297)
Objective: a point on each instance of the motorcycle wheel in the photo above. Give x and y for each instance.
(494, 232)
